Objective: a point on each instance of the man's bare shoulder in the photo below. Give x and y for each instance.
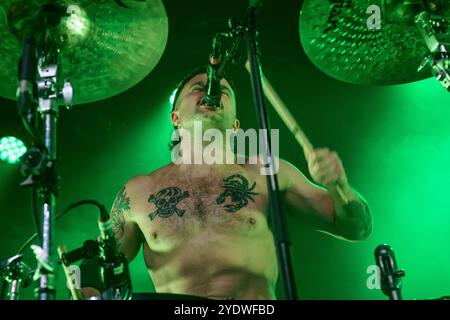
(148, 179)
(286, 171)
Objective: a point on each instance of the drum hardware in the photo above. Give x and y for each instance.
(54, 38)
(103, 47)
(350, 51)
(114, 272)
(118, 284)
(16, 275)
(438, 61)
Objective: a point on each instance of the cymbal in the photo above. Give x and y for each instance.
(336, 38)
(106, 46)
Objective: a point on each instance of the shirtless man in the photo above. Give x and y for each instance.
(197, 239)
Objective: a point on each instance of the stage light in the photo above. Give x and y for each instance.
(11, 149)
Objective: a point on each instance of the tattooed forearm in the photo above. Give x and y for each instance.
(238, 191)
(166, 202)
(121, 205)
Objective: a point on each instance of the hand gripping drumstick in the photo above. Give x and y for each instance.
(76, 293)
(290, 122)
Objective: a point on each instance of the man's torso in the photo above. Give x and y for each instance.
(206, 231)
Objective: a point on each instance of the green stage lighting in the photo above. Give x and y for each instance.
(11, 149)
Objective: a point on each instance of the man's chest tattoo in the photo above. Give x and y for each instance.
(238, 191)
(166, 202)
(236, 195)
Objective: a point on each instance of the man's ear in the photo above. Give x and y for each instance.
(175, 117)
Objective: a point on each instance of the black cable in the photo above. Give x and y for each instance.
(33, 133)
(63, 212)
(26, 94)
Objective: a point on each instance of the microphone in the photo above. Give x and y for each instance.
(89, 250)
(114, 271)
(390, 275)
(213, 90)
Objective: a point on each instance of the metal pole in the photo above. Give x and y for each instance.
(48, 106)
(282, 242)
(46, 283)
(14, 291)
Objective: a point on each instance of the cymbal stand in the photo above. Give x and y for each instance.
(438, 60)
(38, 164)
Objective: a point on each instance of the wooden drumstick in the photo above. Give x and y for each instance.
(76, 293)
(290, 122)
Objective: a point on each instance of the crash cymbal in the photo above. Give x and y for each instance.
(336, 37)
(106, 46)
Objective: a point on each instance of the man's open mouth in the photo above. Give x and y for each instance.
(203, 105)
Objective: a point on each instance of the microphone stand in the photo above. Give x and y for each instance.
(38, 164)
(247, 29)
(283, 250)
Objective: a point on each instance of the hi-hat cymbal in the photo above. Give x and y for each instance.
(337, 39)
(106, 46)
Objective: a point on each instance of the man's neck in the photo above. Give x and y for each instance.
(208, 153)
(201, 144)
